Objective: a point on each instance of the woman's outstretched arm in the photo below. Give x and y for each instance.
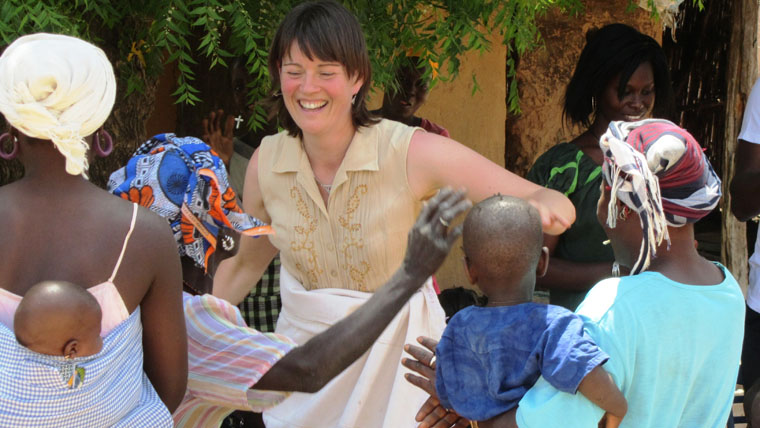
(434, 161)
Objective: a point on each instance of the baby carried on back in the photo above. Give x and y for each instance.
(58, 371)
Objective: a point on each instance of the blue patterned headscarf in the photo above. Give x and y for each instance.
(184, 181)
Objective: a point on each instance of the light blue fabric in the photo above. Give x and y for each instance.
(674, 353)
(115, 391)
(488, 357)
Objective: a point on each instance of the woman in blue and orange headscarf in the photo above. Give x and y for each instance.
(185, 182)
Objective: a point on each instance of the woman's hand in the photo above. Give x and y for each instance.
(221, 141)
(554, 209)
(431, 414)
(430, 239)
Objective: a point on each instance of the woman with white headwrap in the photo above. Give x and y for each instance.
(55, 93)
(673, 328)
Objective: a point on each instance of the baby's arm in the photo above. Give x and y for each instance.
(599, 387)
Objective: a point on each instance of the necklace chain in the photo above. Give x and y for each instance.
(327, 187)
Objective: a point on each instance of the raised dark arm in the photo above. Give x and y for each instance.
(309, 367)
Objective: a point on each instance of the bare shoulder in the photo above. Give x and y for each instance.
(151, 259)
(151, 233)
(426, 147)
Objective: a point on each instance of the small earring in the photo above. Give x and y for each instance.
(593, 104)
(100, 150)
(353, 99)
(14, 146)
(624, 213)
(228, 243)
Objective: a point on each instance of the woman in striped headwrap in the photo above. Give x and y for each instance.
(673, 328)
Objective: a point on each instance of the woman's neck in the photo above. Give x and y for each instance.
(599, 127)
(45, 165)
(326, 151)
(680, 261)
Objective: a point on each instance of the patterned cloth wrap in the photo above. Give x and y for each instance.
(183, 180)
(114, 391)
(659, 171)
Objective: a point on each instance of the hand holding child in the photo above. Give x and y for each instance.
(432, 414)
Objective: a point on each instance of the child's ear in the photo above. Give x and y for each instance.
(471, 271)
(543, 263)
(70, 349)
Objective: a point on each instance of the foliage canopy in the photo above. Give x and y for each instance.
(141, 36)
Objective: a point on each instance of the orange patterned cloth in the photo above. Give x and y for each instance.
(184, 181)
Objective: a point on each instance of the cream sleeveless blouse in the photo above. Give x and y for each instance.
(359, 239)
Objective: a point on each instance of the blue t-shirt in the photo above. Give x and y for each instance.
(488, 357)
(674, 353)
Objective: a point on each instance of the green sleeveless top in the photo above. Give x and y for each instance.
(568, 170)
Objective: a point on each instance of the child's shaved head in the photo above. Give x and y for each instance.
(503, 238)
(53, 315)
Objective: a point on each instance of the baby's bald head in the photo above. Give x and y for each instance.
(53, 315)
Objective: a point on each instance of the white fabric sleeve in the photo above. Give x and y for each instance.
(750, 131)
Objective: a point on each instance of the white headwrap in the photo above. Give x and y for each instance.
(57, 88)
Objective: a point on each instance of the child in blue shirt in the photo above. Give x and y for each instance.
(490, 356)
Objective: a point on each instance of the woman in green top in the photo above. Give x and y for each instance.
(621, 75)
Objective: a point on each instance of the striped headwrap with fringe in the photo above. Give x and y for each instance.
(658, 170)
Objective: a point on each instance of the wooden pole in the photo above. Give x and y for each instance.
(740, 76)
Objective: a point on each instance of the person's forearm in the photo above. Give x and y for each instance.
(744, 188)
(599, 387)
(234, 279)
(309, 367)
(573, 276)
(236, 276)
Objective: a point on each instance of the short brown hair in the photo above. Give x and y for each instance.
(328, 31)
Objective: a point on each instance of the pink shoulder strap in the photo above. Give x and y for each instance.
(126, 240)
